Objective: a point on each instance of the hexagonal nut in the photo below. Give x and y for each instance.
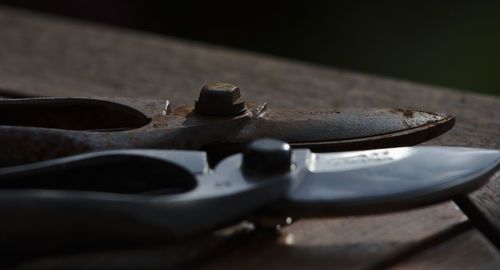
(220, 99)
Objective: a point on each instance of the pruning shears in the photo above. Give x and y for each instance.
(87, 170)
(220, 123)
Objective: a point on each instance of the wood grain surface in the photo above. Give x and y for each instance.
(469, 250)
(49, 56)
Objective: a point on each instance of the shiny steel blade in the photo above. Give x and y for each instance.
(388, 179)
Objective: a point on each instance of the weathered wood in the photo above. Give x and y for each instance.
(351, 242)
(50, 56)
(342, 243)
(487, 199)
(469, 250)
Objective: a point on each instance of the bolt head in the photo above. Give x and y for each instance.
(220, 99)
(267, 156)
(223, 87)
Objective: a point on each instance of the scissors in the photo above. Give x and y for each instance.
(219, 123)
(144, 196)
(90, 169)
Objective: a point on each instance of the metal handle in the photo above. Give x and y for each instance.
(70, 114)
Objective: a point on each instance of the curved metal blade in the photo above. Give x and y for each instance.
(331, 130)
(38, 129)
(388, 179)
(354, 129)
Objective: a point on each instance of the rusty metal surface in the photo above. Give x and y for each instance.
(220, 99)
(38, 129)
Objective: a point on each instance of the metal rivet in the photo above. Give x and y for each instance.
(267, 156)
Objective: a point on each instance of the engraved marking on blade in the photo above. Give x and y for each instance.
(356, 160)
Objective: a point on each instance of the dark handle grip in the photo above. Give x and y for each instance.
(70, 114)
(107, 171)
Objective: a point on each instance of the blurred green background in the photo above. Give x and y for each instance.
(451, 43)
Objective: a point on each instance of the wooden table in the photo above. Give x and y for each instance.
(41, 55)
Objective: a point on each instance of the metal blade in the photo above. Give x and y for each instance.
(388, 179)
(330, 130)
(354, 129)
(38, 129)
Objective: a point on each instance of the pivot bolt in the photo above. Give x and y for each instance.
(267, 156)
(220, 99)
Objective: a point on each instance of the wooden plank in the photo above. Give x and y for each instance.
(469, 250)
(350, 242)
(342, 243)
(49, 56)
(487, 200)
